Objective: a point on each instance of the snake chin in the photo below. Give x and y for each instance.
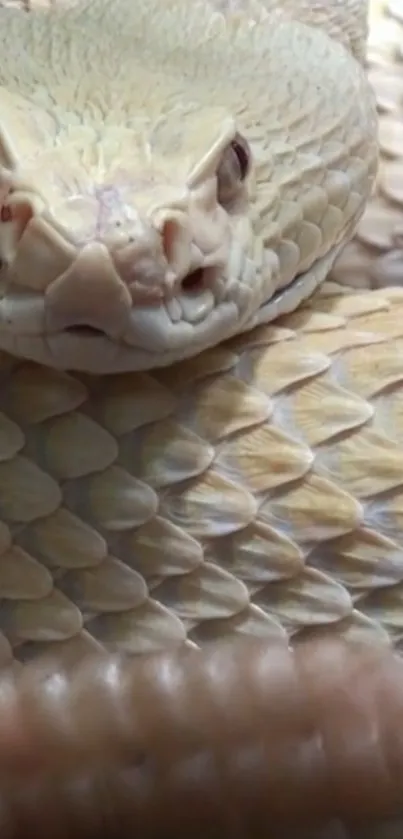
(202, 312)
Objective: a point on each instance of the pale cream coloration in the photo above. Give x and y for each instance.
(256, 488)
(115, 117)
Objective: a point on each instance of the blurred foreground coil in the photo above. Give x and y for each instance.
(238, 740)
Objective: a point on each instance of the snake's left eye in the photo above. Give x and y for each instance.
(233, 169)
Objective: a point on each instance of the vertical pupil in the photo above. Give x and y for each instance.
(243, 157)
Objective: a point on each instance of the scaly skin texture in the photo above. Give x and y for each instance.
(255, 488)
(375, 257)
(123, 207)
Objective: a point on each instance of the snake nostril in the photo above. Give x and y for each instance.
(193, 282)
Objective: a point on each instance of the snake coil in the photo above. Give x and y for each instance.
(236, 740)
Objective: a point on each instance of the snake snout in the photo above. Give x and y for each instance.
(89, 298)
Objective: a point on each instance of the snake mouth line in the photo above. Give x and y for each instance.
(86, 331)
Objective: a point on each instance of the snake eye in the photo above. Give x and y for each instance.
(233, 169)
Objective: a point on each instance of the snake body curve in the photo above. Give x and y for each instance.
(240, 740)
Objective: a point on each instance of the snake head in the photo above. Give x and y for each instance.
(129, 252)
(142, 222)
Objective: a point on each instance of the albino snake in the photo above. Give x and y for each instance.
(174, 176)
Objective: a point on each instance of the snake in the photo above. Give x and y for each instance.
(200, 434)
(153, 494)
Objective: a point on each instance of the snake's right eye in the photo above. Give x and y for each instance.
(233, 170)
